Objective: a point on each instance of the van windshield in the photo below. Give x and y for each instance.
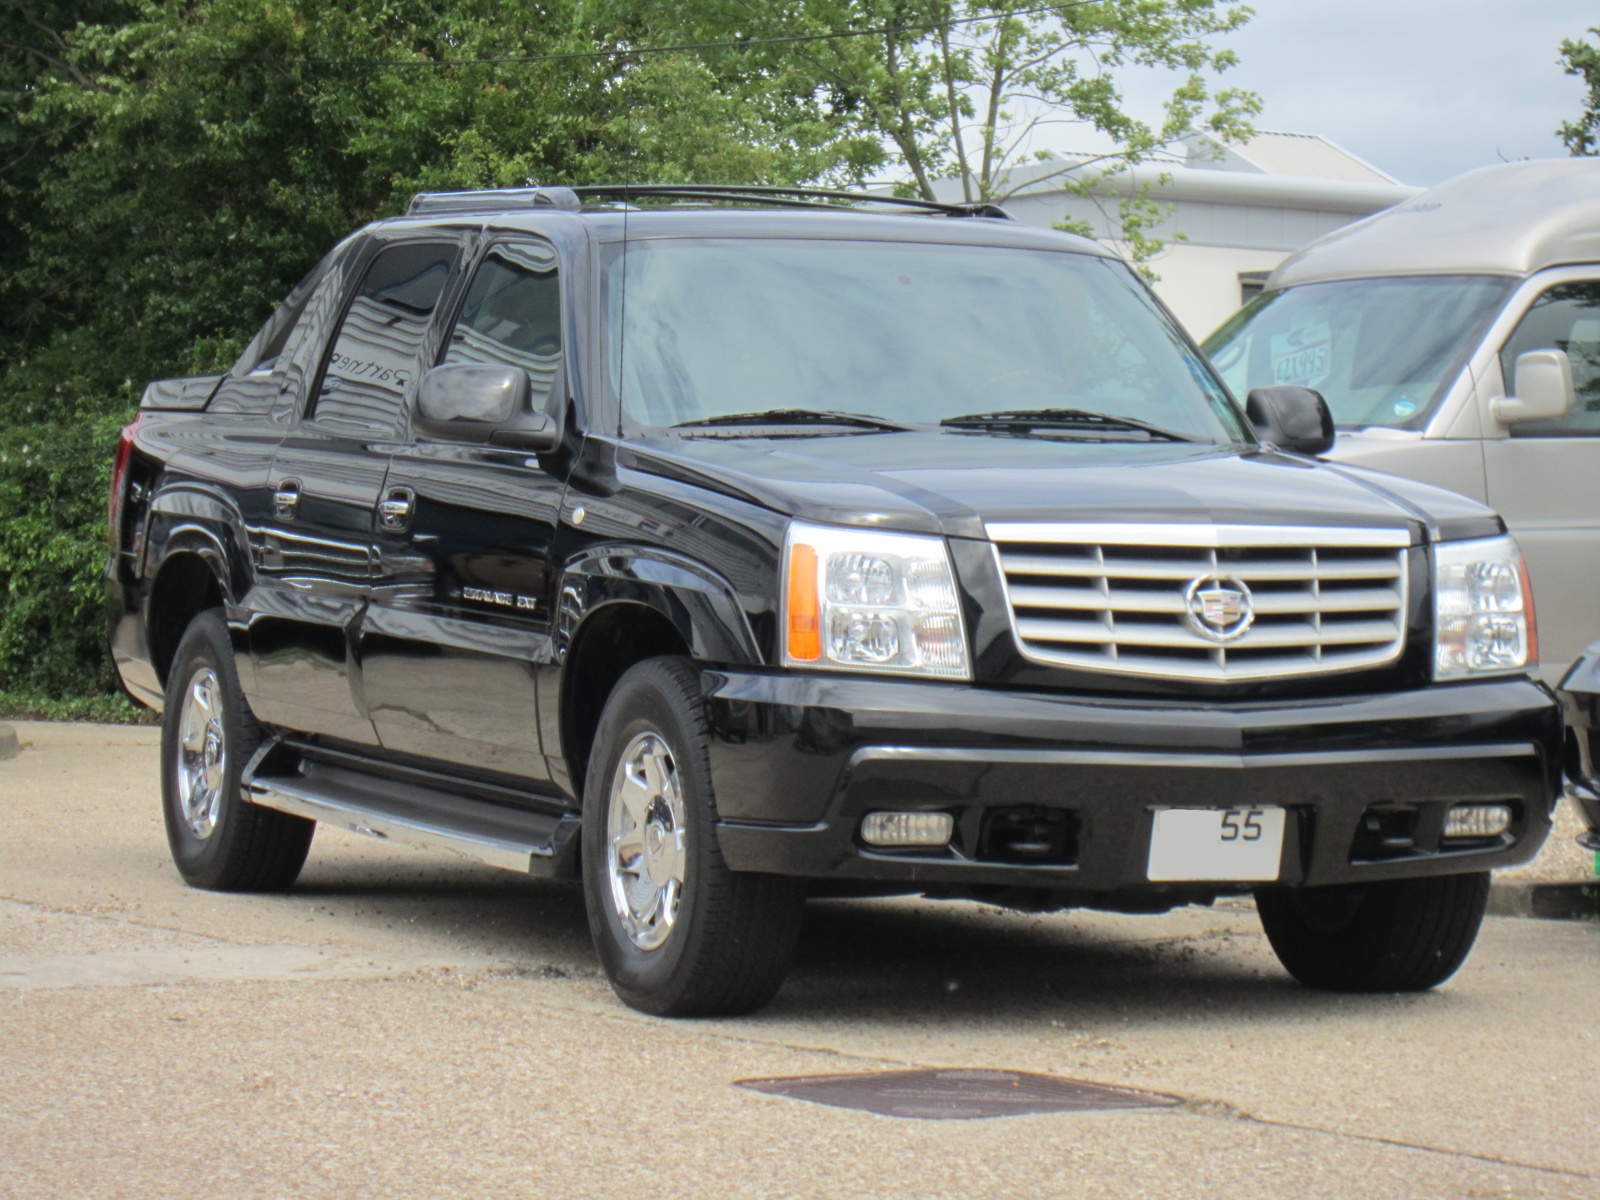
(900, 332)
(1381, 351)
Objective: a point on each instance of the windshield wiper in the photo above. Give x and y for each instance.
(1027, 420)
(795, 416)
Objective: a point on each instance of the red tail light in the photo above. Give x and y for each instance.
(119, 480)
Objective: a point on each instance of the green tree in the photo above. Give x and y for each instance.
(168, 169)
(1583, 59)
(964, 91)
(173, 166)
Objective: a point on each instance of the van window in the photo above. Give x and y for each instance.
(1567, 317)
(1381, 351)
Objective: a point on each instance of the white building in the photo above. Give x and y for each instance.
(1241, 211)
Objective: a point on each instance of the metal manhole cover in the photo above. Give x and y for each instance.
(957, 1094)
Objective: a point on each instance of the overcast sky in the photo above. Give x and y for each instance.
(1422, 89)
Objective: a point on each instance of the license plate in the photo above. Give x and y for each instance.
(1216, 843)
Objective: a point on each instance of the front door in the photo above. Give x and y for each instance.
(1544, 476)
(318, 553)
(461, 618)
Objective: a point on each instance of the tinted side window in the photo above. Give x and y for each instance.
(376, 350)
(1567, 317)
(512, 315)
(261, 355)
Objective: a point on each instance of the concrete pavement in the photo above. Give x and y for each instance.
(407, 1024)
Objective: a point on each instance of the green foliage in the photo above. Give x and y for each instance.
(965, 90)
(1582, 137)
(169, 168)
(105, 709)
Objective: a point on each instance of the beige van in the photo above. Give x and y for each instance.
(1456, 338)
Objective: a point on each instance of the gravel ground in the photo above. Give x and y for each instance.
(407, 1024)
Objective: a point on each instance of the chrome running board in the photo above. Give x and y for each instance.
(518, 839)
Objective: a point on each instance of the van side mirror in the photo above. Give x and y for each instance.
(484, 403)
(1543, 389)
(1295, 419)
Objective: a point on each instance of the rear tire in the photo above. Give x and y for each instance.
(219, 840)
(678, 933)
(1398, 935)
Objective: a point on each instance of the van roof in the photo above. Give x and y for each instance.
(1510, 219)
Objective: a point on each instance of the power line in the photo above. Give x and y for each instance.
(687, 47)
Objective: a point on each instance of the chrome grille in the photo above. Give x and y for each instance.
(1115, 597)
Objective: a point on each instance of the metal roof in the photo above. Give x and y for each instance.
(1510, 219)
(698, 220)
(572, 199)
(1296, 155)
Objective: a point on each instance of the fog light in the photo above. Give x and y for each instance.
(1477, 820)
(907, 828)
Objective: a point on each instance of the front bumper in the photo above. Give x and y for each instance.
(1580, 698)
(1586, 796)
(798, 760)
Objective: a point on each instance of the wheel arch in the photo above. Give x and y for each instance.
(620, 606)
(191, 578)
(196, 557)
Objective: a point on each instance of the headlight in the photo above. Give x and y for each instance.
(862, 600)
(1483, 610)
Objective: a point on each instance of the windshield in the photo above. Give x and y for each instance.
(907, 332)
(1381, 351)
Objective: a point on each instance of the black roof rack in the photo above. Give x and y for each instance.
(493, 200)
(571, 199)
(783, 197)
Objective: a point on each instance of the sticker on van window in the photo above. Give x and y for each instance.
(1301, 355)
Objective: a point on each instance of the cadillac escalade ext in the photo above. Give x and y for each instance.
(723, 547)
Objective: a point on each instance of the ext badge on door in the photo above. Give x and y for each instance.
(503, 599)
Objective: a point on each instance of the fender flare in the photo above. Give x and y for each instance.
(199, 520)
(700, 604)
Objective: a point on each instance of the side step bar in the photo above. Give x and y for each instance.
(518, 839)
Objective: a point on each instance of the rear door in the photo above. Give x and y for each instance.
(461, 620)
(318, 554)
(1544, 476)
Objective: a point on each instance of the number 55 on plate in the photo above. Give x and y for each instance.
(1226, 844)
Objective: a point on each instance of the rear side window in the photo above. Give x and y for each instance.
(512, 315)
(1567, 317)
(261, 355)
(252, 385)
(379, 343)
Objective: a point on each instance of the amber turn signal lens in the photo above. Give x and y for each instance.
(1527, 608)
(805, 630)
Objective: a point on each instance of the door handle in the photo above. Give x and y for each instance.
(286, 500)
(394, 510)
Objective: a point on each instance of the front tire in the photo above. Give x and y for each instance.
(1398, 935)
(677, 932)
(219, 840)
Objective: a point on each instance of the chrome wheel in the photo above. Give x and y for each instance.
(202, 766)
(645, 841)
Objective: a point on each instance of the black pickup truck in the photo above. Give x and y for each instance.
(724, 546)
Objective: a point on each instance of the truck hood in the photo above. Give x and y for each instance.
(954, 482)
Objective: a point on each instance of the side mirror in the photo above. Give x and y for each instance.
(484, 403)
(1292, 418)
(1543, 388)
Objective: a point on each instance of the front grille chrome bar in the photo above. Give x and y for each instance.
(1120, 598)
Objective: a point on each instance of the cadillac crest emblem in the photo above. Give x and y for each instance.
(1218, 607)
